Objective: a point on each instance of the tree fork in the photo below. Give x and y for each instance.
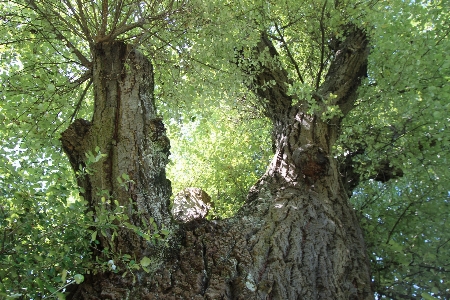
(297, 237)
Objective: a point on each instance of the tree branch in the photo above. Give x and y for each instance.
(117, 26)
(104, 21)
(85, 30)
(83, 60)
(83, 20)
(322, 49)
(77, 107)
(270, 80)
(395, 295)
(120, 30)
(347, 70)
(118, 11)
(398, 221)
(289, 54)
(123, 27)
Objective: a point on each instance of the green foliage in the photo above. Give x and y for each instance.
(220, 142)
(48, 236)
(407, 95)
(43, 237)
(401, 117)
(220, 150)
(406, 224)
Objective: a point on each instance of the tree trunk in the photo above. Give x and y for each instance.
(126, 129)
(297, 237)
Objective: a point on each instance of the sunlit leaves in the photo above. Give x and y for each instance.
(145, 261)
(78, 278)
(407, 94)
(43, 244)
(220, 140)
(220, 151)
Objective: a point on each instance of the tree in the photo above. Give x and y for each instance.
(296, 236)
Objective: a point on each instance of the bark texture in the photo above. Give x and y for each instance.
(126, 128)
(297, 237)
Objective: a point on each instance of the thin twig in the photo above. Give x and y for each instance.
(77, 107)
(391, 232)
(285, 46)
(322, 49)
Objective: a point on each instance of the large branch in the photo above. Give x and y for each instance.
(270, 83)
(346, 71)
(344, 76)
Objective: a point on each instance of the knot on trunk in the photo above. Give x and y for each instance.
(191, 203)
(311, 160)
(72, 140)
(158, 134)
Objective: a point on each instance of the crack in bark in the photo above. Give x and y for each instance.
(205, 280)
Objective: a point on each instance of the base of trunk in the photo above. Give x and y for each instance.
(286, 244)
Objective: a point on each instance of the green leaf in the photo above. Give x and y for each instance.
(427, 296)
(145, 261)
(78, 278)
(165, 232)
(435, 290)
(63, 275)
(93, 236)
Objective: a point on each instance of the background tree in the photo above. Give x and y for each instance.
(284, 52)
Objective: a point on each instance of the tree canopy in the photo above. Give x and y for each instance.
(393, 147)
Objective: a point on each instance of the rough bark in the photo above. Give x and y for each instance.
(297, 237)
(189, 204)
(126, 128)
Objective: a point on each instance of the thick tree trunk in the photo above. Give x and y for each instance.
(126, 129)
(297, 237)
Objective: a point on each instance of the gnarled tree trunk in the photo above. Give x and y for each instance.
(297, 237)
(126, 129)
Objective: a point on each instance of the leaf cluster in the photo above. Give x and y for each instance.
(222, 150)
